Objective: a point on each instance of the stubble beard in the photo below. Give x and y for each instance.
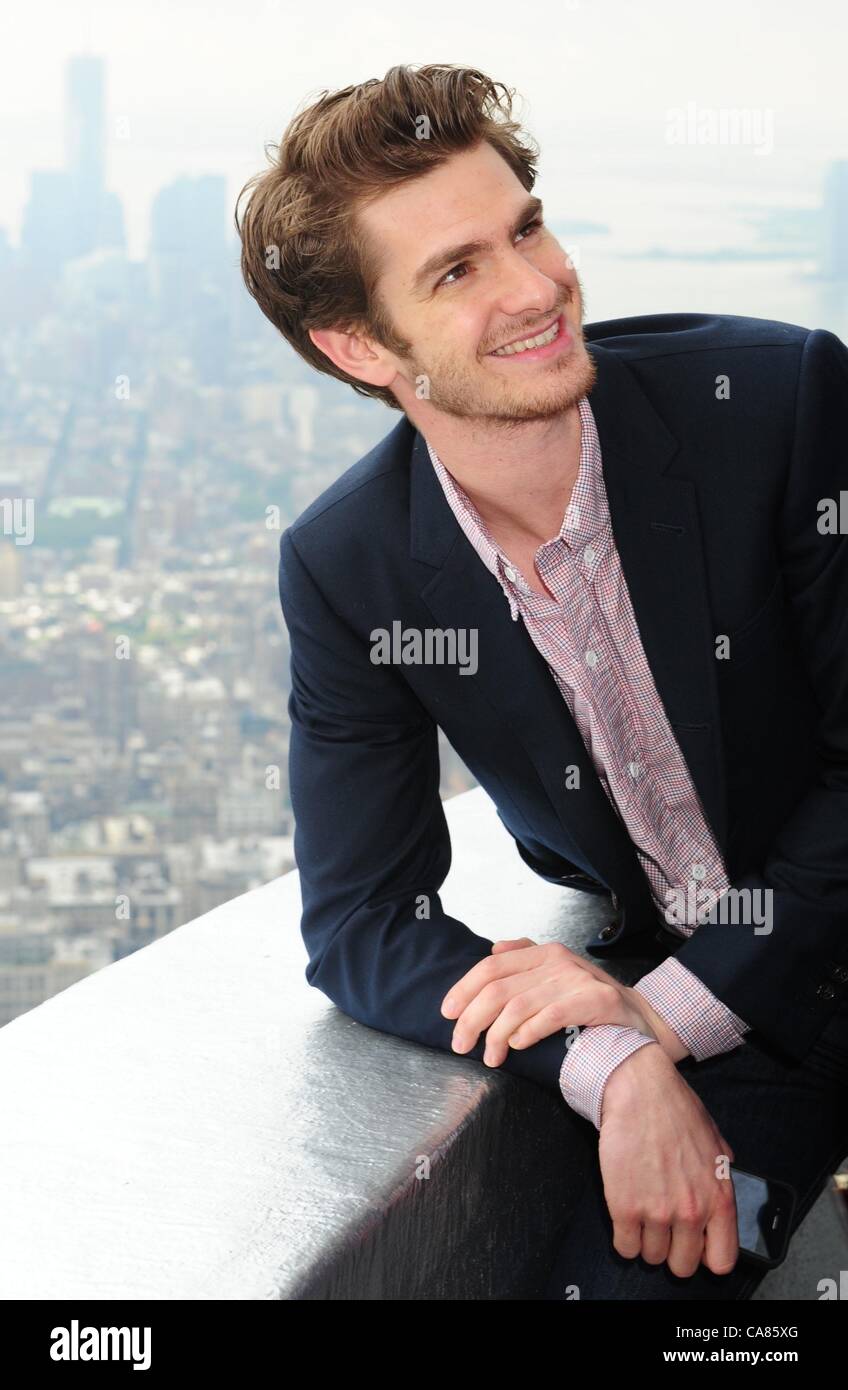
(504, 403)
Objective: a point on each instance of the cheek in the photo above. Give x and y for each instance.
(465, 333)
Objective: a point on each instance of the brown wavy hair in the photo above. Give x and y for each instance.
(304, 257)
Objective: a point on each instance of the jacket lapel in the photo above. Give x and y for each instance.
(655, 524)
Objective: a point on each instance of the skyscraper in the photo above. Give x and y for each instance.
(69, 212)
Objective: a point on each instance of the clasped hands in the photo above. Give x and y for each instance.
(659, 1147)
(523, 992)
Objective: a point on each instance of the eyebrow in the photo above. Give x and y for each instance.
(442, 260)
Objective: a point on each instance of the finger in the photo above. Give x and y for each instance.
(656, 1240)
(501, 1007)
(545, 1008)
(721, 1245)
(583, 1001)
(627, 1237)
(499, 946)
(548, 1008)
(534, 1014)
(540, 1024)
(490, 968)
(686, 1249)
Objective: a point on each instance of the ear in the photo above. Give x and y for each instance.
(355, 354)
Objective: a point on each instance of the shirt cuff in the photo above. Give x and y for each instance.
(700, 1020)
(589, 1061)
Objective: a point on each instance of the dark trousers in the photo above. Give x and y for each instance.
(783, 1120)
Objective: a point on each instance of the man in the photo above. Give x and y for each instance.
(624, 523)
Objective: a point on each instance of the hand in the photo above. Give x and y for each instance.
(523, 992)
(668, 1040)
(662, 1158)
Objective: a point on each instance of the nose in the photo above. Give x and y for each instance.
(524, 290)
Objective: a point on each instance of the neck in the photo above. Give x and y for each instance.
(520, 485)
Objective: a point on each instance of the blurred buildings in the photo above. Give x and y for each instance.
(156, 436)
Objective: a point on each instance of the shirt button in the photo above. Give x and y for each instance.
(698, 871)
(509, 572)
(588, 555)
(591, 658)
(634, 769)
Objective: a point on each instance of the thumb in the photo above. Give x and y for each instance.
(512, 945)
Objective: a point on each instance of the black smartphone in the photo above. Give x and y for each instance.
(764, 1208)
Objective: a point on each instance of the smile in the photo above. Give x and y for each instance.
(550, 341)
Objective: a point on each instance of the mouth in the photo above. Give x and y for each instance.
(547, 342)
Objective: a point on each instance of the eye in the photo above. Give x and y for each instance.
(536, 222)
(531, 226)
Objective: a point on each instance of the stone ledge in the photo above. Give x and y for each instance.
(196, 1122)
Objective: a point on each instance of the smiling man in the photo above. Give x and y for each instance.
(626, 517)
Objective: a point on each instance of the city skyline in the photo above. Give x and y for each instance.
(208, 99)
(164, 434)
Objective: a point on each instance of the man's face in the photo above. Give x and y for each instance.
(447, 317)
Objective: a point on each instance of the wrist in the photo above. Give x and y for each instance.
(627, 1077)
(674, 1048)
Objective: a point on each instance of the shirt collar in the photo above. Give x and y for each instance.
(586, 518)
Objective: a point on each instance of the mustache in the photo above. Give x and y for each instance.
(530, 331)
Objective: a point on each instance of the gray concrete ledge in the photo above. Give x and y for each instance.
(196, 1122)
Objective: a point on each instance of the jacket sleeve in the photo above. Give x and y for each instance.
(371, 840)
(787, 982)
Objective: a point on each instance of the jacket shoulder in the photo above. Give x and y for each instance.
(385, 466)
(662, 335)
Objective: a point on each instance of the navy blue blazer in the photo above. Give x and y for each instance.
(715, 511)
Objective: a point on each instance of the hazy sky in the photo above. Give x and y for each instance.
(201, 87)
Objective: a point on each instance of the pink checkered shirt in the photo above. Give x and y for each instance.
(591, 643)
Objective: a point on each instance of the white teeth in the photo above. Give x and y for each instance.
(526, 343)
